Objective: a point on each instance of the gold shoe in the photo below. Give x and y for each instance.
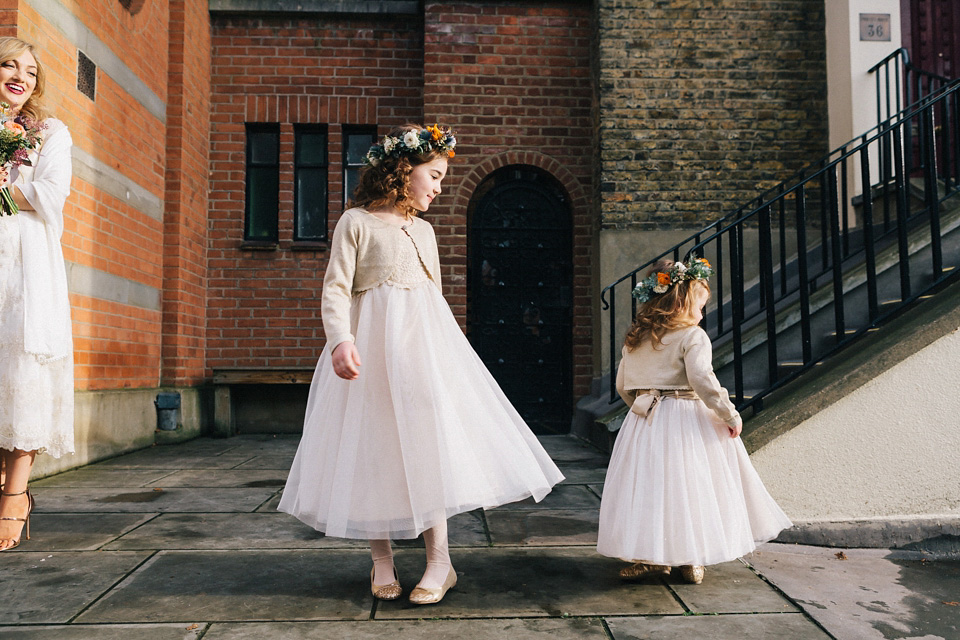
(25, 520)
(639, 570)
(420, 595)
(390, 591)
(692, 573)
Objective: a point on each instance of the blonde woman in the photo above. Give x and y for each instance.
(36, 345)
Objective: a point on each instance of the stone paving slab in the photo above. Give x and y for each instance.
(99, 477)
(530, 582)
(178, 631)
(546, 527)
(516, 629)
(730, 587)
(43, 587)
(583, 475)
(150, 459)
(867, 594)
(182, 586)
(279, 463)
(79, 531)
(235, 478)
(228, 531)
(569, 449)
(774, 626)
(562, 497)
(141, 500)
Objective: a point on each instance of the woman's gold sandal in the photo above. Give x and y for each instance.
(421, 595)
(25, 530)
(390, 591)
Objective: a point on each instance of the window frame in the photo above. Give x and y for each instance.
(249, 163)
(353, 130)
(298, 131)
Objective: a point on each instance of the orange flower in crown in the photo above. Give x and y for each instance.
(663, 279)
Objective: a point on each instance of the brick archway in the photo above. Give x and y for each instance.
(583, 250)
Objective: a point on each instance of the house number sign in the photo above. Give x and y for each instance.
(875, 26)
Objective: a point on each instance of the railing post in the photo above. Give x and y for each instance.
(868, 247)
(932, 191)
(766, 283)
(613, 343)
(736, 304)
(835, 251)
(802, 275)
(902, 178)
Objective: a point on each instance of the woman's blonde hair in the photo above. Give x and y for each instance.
(664, 312)
(385, 184)
(13, 48)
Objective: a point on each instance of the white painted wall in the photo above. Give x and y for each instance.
(889, 449)
(851, 91)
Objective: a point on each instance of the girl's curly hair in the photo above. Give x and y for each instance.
(385, 184)
(663, 312)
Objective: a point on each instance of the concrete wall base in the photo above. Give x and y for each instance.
(109, 423)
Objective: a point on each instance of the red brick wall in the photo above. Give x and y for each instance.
(513, 78)
(264, 306)
(116, 345)
(185, 217)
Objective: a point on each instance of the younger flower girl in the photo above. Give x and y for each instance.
(680, 490)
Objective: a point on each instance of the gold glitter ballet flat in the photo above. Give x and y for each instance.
(641, 569)
(421, 595)
(692, 573)
(390, 591)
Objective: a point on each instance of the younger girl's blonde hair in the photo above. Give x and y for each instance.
(13, 48)
(664, 312)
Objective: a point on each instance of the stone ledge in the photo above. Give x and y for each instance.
(935, 537)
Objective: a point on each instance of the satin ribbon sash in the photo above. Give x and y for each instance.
(648, 399)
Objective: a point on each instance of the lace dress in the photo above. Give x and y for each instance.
(424, 433)
(36, 398)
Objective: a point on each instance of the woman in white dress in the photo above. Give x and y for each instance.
(404, 426)
(36, 346)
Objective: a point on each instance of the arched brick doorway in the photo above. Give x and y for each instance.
(520, 291)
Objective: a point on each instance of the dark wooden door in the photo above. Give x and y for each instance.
(931, 35)
(519, 292)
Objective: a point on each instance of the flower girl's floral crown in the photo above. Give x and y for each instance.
(658, 282)
(413, 142)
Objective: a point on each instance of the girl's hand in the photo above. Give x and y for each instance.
(346, 361)
(735, 429)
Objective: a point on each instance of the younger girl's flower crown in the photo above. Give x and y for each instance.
(658, 282)
(413, 142)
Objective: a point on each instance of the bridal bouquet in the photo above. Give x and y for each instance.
(18, 136)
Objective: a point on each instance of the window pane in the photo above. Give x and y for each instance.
(357, 146)
(264, 147)
(263, 190)
(352, 179)
(311, 204)
(312, 149)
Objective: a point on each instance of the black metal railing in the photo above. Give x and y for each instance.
(802, 269)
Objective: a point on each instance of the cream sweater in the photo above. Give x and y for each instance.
(684, 360)
(363, 255)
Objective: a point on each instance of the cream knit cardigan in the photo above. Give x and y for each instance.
(683, 361)
(363, 255)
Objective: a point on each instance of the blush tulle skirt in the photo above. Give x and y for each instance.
(680, 491)
(424, 433)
